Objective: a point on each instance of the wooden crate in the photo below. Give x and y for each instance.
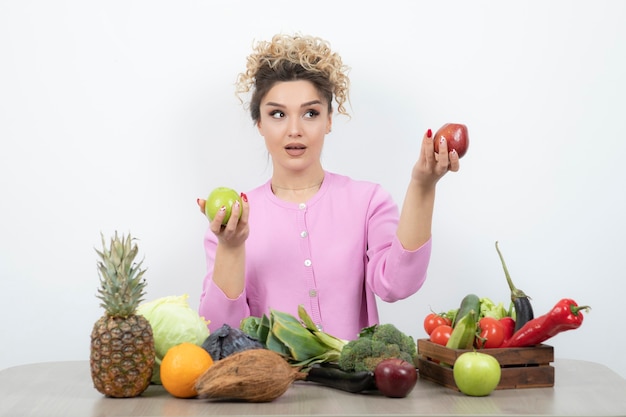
(521, 367)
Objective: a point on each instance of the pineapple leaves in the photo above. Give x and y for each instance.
(122, 286)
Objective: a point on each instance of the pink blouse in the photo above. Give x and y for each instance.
(333, 254)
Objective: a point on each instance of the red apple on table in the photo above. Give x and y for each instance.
(456, 136)
(395, 377)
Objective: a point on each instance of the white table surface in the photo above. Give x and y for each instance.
(65, 389)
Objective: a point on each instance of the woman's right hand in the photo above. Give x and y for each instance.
(234, 233)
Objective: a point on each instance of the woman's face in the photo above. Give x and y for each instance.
(294, 121)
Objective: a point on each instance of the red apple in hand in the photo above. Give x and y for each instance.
(456, 136)
(395, 377)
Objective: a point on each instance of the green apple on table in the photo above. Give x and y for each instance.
(476, 374)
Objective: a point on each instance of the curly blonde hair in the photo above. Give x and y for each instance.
(291, 58)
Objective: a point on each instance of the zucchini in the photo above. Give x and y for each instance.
(334, 377)
(470, 302)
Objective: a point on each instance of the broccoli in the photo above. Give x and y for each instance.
(375, 343)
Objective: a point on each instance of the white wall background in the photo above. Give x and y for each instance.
(117, 115)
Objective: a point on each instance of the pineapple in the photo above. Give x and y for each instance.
(122, 345)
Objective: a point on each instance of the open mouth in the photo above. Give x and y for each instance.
(295, 149)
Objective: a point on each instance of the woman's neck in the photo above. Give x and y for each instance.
(296, 189)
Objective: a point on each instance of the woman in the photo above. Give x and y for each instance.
(308, 236)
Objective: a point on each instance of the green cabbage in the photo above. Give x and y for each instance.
(173, 322)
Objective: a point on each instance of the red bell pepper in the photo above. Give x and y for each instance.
(565, 315)
(509, 327)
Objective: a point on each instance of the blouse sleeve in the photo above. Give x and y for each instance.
(215, 306)
(393, 273)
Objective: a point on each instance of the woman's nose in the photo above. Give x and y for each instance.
(295, 129)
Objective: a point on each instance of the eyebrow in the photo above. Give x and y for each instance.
(307, 104)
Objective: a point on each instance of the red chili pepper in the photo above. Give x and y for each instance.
(565, 315)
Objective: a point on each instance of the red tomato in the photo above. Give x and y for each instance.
(491, 333)
(441, 334)
(433, 320)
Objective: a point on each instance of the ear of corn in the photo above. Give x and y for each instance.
(274, 343)
(327, 339)
(293, 334)
(298, 340)
(306, 319)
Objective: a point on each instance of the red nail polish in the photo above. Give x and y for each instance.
(429, 133)
(197, 201)
(244, 197)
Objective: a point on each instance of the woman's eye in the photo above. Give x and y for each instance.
(277, 114)
(311, 114)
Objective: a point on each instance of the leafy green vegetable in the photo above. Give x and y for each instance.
(173, 322)
(489, 309)
(451, 314)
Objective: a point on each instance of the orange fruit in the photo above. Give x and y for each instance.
(181, 367)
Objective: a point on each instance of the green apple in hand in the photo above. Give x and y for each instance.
(476, 374)
(221, 197)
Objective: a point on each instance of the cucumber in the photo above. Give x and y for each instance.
(464, 332)
(470, 302)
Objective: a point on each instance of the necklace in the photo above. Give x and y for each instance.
(316, 185)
